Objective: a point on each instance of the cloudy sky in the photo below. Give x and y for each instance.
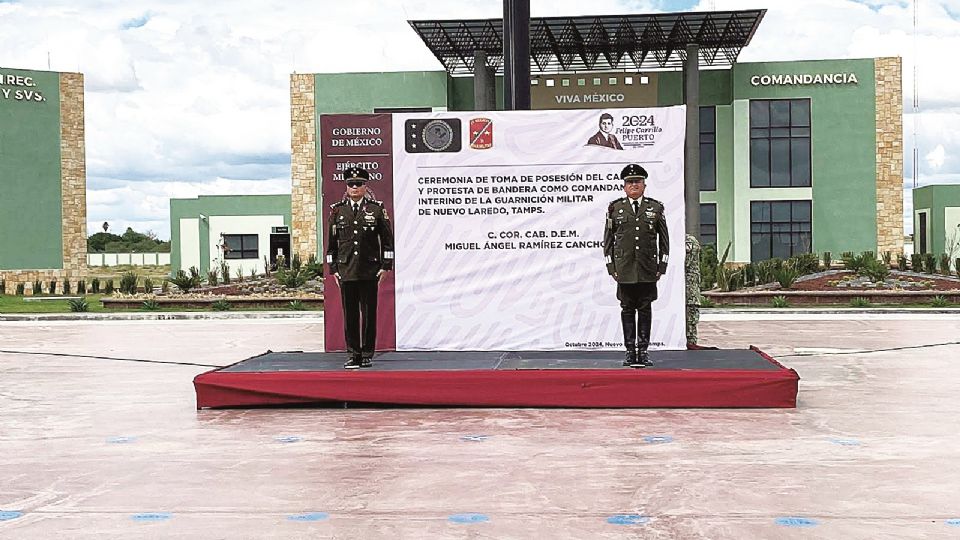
(185, 98)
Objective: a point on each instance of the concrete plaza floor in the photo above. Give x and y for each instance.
(95, 445)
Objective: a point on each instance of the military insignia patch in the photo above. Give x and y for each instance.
(481, 133)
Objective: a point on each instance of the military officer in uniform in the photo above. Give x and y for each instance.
(359, 253)
(636, 248)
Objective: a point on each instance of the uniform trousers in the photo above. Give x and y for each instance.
(360, 316)
(635, 299)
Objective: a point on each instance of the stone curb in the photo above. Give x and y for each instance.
(173, 316)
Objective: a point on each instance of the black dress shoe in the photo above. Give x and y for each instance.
(644, 359)
(630, 358)
(366, 362)
(353, 363)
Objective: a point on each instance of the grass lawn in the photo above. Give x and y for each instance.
(16, 304)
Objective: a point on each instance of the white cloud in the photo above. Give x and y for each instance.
(937, 157)
(199, 91)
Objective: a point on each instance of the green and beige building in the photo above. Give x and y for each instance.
(43, 209)
(801, 156)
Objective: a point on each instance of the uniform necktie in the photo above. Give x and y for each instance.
(356, 207)
(636, 208)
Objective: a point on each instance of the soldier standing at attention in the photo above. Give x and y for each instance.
(636, 247)
(359, 253)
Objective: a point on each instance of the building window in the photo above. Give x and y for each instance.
(708, 224)
(241, 246)
(780, 143)
(708, 148)
(779, 229)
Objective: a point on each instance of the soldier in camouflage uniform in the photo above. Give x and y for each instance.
(636, 247)
(359, 253)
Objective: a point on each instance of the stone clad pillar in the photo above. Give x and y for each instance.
(889, 92)
(73, 178)
(303, 167)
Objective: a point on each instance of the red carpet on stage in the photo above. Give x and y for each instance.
(693, 378)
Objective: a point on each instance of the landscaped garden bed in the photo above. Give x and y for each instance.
(806, 279)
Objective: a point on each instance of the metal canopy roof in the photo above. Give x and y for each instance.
(595, 43)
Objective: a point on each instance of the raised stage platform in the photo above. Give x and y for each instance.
(692, 378)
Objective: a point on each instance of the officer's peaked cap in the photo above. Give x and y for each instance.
(633, 172)
(356, 174)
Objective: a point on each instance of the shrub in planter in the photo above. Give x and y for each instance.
(766, 271)
(220, 305)
(855, 263)
(128, 283)
(901, 263)
(806, 263)
(945, 264)
(186, 282)
(108, 287)
(787, 275)
(708, 267)
(150, 305)
(887, 258)
(749, 274)
(225, 272)
(213, 277)
(706, 302)
(315, 268)
(147, 285)
(956, 266)
(95, 283)
(729, 279)
(53, 287)
(165, 286)
(81, 287)
(929, 263)
(916, 262)
(860, 302)
(66, 287)
(876, 271)
(827, 261)
(292, 278)
(780, 302)
(37, 287)
(20, 289)
(297, 305)
(3, 286)
(79, 305)
(939, 301)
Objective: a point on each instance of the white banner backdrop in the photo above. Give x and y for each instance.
(499, 220)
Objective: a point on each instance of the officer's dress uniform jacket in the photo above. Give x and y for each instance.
(636, 245)
(360, 244)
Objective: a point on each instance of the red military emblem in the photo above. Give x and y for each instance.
(481, 133)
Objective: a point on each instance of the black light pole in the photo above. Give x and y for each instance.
(516, 55)
(691, 154)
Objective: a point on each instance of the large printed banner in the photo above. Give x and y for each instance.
(499, 220)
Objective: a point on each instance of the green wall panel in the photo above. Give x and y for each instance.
(843, 146)
(31, 225)
(363, 92)
(714, 87)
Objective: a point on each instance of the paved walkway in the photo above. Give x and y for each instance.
(99, 438)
